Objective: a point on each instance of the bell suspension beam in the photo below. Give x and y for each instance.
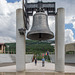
(39, 6)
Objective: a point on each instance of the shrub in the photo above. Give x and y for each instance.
(39, 57)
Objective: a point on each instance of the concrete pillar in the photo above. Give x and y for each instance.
(2, 48)
(59, 40)
(20, 42)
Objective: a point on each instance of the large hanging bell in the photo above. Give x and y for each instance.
(40, 29)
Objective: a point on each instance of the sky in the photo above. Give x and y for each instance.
(8, 19)
(12, 1)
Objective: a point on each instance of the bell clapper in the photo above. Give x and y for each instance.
(39, 35)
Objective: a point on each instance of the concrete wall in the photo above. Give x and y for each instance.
(29, 58)
(69, 58)
(70, 47)
(6, 58)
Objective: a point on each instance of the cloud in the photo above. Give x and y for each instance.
(69, 36)
(8, 20)
(51, 22)
(6, 39)
(73, 22)
(74, 25)
(29, 1)
(71, 19)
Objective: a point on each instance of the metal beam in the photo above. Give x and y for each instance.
(40, 6)
(48, 6)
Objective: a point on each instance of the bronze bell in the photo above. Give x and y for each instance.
(40, 29)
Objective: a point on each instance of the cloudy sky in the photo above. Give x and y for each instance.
(8, 19)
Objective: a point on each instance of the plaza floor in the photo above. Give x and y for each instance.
(30, 67)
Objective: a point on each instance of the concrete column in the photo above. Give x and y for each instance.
(2, 48)
(20, 42)
(59, 40)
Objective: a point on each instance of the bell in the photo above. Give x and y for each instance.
(40, 29)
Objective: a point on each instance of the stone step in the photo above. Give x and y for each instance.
(35, 73)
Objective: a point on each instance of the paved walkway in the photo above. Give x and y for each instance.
(30, 67)
(48, 67)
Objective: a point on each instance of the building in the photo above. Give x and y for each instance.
(69, 53)
(2, 48)
(70, 47)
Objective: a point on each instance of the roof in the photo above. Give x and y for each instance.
(70, 43)
(1, 43)
(70, 47)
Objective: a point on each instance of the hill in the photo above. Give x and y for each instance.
(32, 46)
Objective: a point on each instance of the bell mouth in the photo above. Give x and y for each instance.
(40, 36)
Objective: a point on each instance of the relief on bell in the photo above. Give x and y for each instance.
(40, 29)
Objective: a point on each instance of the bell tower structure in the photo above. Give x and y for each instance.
(22, 24)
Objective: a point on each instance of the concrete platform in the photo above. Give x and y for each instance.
(31, 69)
(35, 73)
